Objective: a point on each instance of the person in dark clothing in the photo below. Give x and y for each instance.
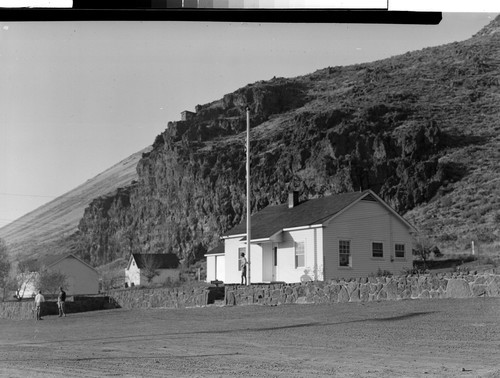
(61, 302)
(243, 268)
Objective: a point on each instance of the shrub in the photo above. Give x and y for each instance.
(381, 273)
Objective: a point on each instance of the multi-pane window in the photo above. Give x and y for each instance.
(377, 249)
(299, 255)
(240, 251)
(344, 253)
(399, 250)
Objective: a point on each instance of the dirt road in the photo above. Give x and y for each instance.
(412, 338)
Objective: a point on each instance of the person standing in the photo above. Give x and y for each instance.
(61, 302)
(243, 268)
(39, 299)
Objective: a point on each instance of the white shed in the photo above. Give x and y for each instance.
(164, 265)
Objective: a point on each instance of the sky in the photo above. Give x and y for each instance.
(78, 97)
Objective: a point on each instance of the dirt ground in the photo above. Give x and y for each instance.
(410, 338)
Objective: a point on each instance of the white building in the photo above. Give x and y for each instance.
(341, 236)
(165, 266)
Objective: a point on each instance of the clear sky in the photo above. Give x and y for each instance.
(78, 97)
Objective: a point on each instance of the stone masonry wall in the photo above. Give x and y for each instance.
(368, 289)
(25, 309)
(16, 310)
(161, 297)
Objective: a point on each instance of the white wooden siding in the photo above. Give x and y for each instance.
(286, 270)
(233, 275)
(267, 262)
(211, 268)
(364, 223)
(220, 273)
(132, 275)
(216, 268)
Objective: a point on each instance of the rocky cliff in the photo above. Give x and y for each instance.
(420, 129)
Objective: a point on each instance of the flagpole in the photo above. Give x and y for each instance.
(249, 233)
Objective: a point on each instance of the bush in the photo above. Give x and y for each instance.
(381, 273)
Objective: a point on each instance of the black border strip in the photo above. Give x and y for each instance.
(221, 15)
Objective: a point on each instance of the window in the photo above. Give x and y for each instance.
(377, 249)
(299, 255)
(240, 251)
(399, 250)
(344, 253)
(275, 258)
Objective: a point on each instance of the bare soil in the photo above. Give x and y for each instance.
(411, 338)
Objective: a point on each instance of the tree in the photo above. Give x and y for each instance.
(423, 249)
(27, 266)
(26, 277)
(151, 265)
(5, 266)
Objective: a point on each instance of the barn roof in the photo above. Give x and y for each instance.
(158, 260)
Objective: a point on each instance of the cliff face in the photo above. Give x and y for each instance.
(411, 128)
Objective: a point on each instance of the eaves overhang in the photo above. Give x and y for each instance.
(303, 227)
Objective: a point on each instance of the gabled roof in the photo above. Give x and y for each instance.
(273, 219)
(158, 260)
(219, 250)
(50, 260)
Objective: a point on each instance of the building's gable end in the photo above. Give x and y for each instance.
(129, 264)
(54, 263)
(370, 196)
(410, 227)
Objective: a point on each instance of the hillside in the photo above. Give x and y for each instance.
(45, 229)
(421, 129)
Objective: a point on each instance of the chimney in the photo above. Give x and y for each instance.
(293, 199)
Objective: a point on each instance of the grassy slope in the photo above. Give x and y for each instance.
(47, 225)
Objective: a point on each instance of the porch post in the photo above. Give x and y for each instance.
(249, 233)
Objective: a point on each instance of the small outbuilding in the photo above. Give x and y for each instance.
(152, 268)
(81, 278)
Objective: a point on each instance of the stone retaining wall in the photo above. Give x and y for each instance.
(367, 289)
(25, 309)
(161, 297)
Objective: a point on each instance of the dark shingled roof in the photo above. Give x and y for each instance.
(216, 250)
(273, 219)
(160, 260)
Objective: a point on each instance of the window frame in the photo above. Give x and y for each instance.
(373, 250)
(297, 255)
(396, 251)
(341, 249)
